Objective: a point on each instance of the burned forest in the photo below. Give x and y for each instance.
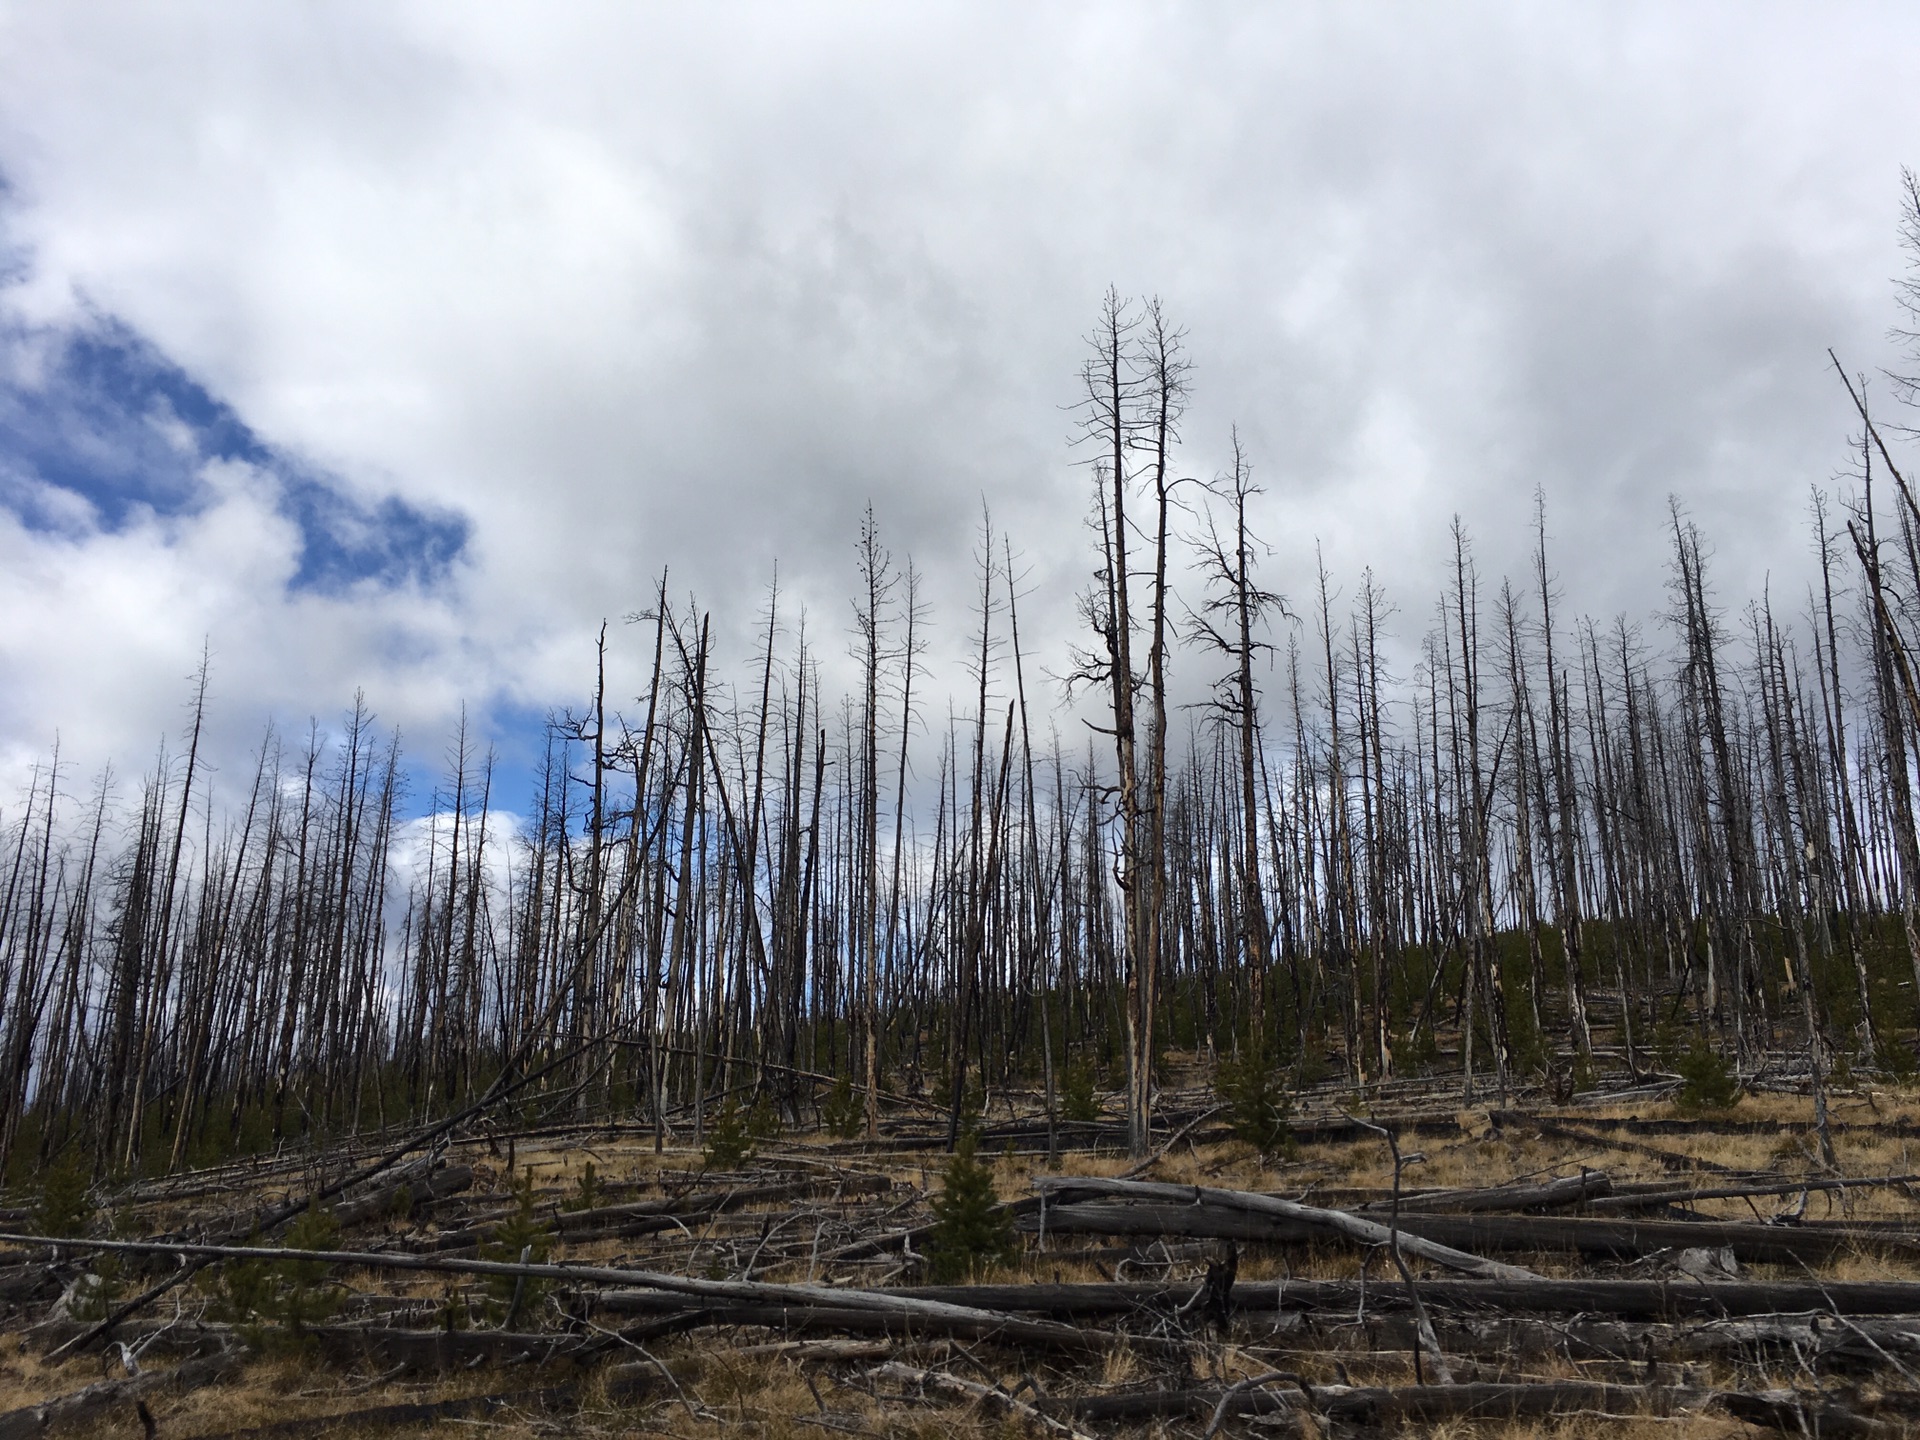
(1292, 1005)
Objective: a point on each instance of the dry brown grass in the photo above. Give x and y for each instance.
(729, 1394)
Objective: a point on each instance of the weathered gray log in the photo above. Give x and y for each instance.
(1062, 1192)
(917, 1319)
(934, 1317)
(176, 1335)
(425, 1412)
(651, 1217)
(1559, 1194)
(714, 1202)
(420, 1185)
(994, 1401)
(1625, 1299)
(1864, 1345)
(442, 1349)
(82, 1406)
(1784, 1410)
(1432, 1235)
(1647, 1197)
(899, 1239)
(1560, 1130)
(29, 1282)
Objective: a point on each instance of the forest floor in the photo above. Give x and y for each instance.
(787, 1295)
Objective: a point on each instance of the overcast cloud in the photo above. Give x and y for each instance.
(393, 346)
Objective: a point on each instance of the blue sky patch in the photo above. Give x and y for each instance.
(99, 415)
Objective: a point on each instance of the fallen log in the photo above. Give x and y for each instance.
(930, 1315)
(1560, 1130)
(618, 1222)
(992, 1399)
(1727, 1125)
(1624, 1299)
(1559, 1194)
(1647, 1197)
(1063, 1191)
(1857, 1346)
(714, 1202)
(818, 1352)
(673, 1313)
(424, 1412)
(648, 1217)
(173, 1336)
(1372, 1405)
(29, 1282)
(1750, 1242)
(423, 1185)
(443, 1349)
(504, 1084)
(416, 1348)
(84, 1405)
(899, 1239)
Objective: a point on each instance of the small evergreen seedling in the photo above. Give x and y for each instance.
(1259, 1107)
(970, 1230)
(1669, 1042)
(522, 1238)
(1709, 1082)
(275, 1301)
(1078, 1099)
(304, 1295)
(763, 1121)
(845, 1111)
(1420, 1052)
(243, 1290)
(586, 1195)
(1585, 1077)
(729, 1142)
(64, 1207)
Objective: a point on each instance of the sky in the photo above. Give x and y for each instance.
(392, 347)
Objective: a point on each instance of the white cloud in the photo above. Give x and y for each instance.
(631, 286)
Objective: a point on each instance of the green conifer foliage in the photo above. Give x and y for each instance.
(587, 1194)
(64, 1206)
(1259, 1107)
(1709, 1081)
(729, 1141)
(845, 1111)
(970, 1230)
(522, 1238)
(1077, 1095)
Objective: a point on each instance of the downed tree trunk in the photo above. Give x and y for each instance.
(681, 1292)
(1627, 1299)
(84, 1405)
(1372, 1406)
(1456, 1234)
(1570, 1190)
(35, 1281)
(1854, 1345)
(1560, 1130)
(446, 1349)
(421, 1185)
(1641, 1197)
(426, 1412)
(1196, 1199)
(712, 1202)
(898, 1239)
(995, 1401)
(916, 1320)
